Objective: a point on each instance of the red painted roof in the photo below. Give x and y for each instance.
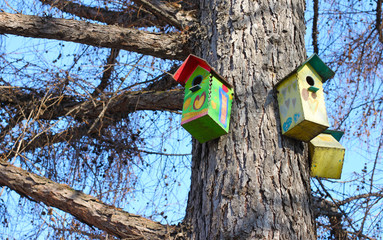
(188, 67)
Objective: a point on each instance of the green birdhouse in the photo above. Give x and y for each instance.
(327, 155)
(301, 101)
(208, 99)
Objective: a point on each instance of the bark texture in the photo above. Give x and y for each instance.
(252, 183)
(170, 46)
(85, 207)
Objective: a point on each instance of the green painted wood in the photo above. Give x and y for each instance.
(207, 105)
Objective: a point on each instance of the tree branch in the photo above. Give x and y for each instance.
(107, 73)
(162, 11)
(84, 207)
(129, 18)
(120, 106)
(168, 46)
(315, 26)
(379, 20)
(164, 81)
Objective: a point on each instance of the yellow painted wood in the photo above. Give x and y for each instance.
(327, 156)
(302, 112)
(313, 104)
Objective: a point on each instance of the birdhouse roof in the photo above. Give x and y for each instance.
(190, 64)
(336, 134)
(319, 66)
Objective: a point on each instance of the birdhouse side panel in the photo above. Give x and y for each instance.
(312, 95)
(290, 106)
(196, 102)
(220, 102)
(327, 157)
(203, 129)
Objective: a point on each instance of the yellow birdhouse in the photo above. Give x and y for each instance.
(301, 100)
(327, 155)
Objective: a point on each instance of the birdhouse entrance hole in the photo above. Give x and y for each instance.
(196, 83)
(310, 80)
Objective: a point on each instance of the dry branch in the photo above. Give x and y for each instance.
(168, 46)
(84, 207)
(123, 104)
(128, 17)
(120, 106)
(163, 11)
(107, 73)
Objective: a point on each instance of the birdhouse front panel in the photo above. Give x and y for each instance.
(327, 156)
(196, 100)
(207, 106)
(301, 104)
(312, 97)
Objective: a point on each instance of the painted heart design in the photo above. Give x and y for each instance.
(187, 103)
(314, 104)
(287, 103)
(287, 124)
(199, 101)
(294, 101)
(296, 117)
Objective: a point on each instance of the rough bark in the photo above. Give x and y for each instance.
(84, 207)
(168, 12)
(169, 46)
(252, 183)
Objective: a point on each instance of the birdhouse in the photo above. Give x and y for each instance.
(327, 155)
(301, 100)
(207, 102)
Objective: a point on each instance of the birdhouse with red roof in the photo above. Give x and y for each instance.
(207, 102)
(301, 100)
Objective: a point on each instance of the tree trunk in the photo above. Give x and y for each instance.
(252, 183)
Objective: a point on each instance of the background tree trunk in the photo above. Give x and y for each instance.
(251, 183)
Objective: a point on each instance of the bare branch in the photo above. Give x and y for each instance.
(315, 26)
(168, 46)
(360, 196)
(120, 106)
(379, 19)
(168, 12)
(128, 102)
(129, 17)
(164, 81)
(84, 207)
(108, 69)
